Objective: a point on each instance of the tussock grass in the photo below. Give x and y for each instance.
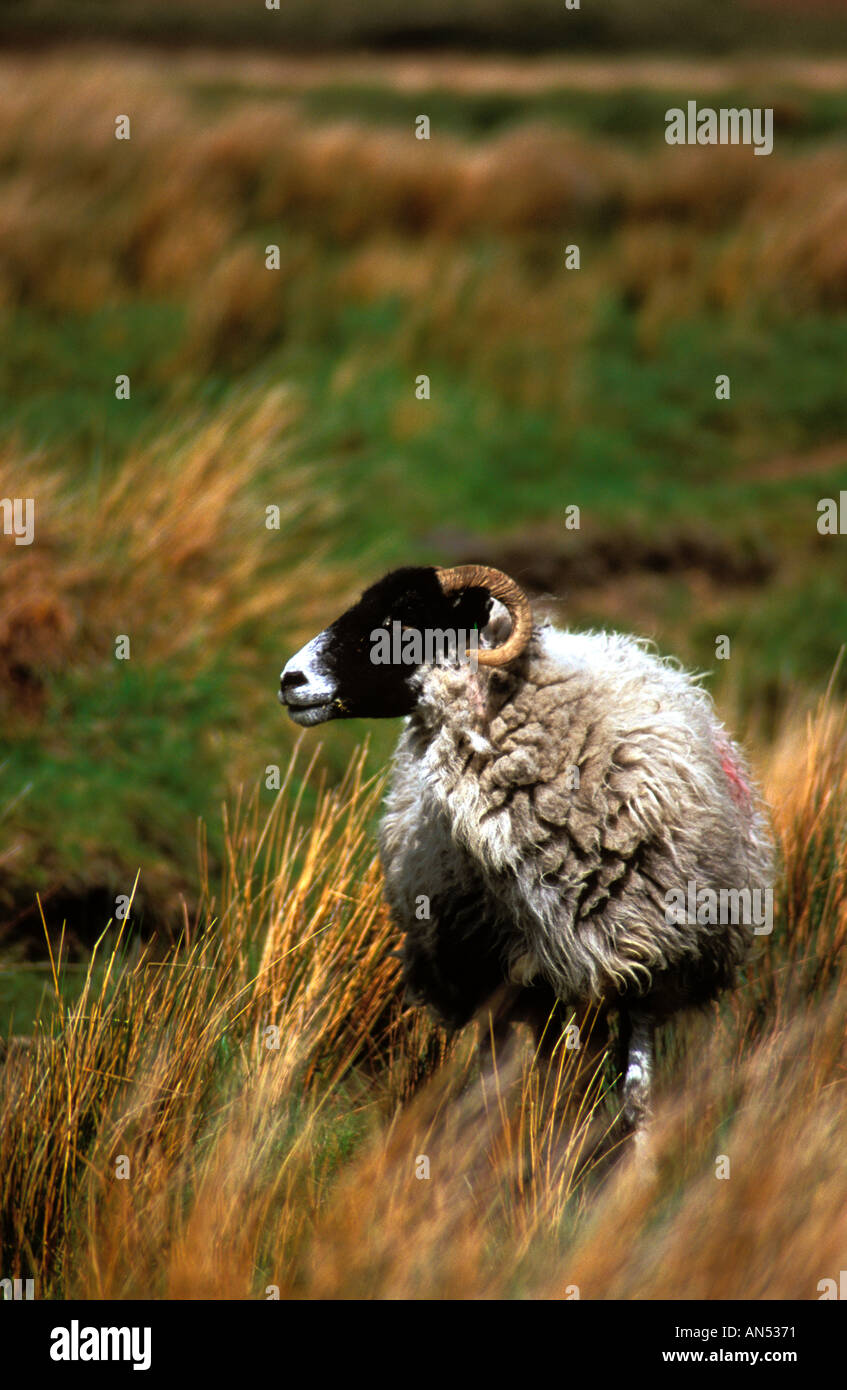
(173, 549)
(807, 787)
(172, 552)
(251, 1164)
(165, 1061)
(195, 191)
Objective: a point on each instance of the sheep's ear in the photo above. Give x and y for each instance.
(498, 626)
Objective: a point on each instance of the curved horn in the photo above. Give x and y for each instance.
(501, 587)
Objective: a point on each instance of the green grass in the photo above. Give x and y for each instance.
(476, 456)
(633, 417)
(118, 777)
(26, 991)
(57, 376)
(634, 114)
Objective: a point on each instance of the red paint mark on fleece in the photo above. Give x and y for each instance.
(738, 784)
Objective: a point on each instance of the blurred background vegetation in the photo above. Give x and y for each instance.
(517, 25)
(295, 388)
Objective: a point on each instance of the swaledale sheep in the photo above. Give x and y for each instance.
(556, 799)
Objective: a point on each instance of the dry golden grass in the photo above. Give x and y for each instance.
(86, 218)
(168, 1059)
(795, 237)
(253, 1165)
(486, 73)
(174, 551)
(807, 788)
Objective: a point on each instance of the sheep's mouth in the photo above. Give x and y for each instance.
(311, 714)
(306, 714)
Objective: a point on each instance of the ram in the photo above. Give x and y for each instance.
(566, 818)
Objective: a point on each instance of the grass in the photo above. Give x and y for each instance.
(248, 1108)
(92, 735)
(634, 114)
(57, 380)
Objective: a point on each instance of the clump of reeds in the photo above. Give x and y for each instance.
(176, 550)
(86, 219)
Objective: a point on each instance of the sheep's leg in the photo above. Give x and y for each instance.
(514, 1004)
(637, 1058)
(495, 1027)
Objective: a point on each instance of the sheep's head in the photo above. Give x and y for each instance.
(364, 665)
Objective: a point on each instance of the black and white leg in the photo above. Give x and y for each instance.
(637, 1057)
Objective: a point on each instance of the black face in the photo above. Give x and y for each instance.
(343, 672)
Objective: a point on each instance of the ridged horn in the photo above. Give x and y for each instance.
(501, 587)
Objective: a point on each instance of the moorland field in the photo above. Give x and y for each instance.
(257, 908)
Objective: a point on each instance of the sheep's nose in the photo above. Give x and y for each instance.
(289, 680)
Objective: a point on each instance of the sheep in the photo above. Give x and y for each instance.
(566, 816)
